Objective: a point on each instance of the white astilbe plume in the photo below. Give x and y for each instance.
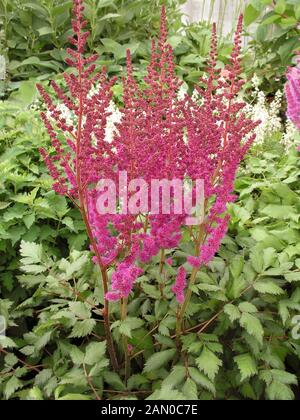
(113, 118)
(290, 137)
(268, 114)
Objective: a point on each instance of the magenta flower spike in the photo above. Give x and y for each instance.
(292, 90)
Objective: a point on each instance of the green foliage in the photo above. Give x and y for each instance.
(35, 33)
(274, 29)
(35, 39)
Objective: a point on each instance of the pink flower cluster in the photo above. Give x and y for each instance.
(158, 134)
(180, 285)
(219, 134)
(292, 90)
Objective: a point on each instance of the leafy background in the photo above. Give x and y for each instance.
(239, 343)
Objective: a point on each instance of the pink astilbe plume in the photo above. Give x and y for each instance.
(79, 160)
(150, 144)
(219, 134)
(292, 90)
(180, 285)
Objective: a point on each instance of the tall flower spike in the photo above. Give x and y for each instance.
(292, 89)
(219, 134)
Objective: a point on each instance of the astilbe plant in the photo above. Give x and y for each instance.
(158, 133)
(219, 135)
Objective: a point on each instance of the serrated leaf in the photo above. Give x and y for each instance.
(247, 307)
(114, 380)
(268, 287)
(77, 356)
(202, 380)
(167, 394)
(176, 376)
(157, 360)
(278, 391)
(31, 253)
(232, 311)
(246, 365)
(11, 386)
(83, 328)
(80, 309)
(253, 326)
(190, 389)
(42, 377)
(209, 363)
(94, 352)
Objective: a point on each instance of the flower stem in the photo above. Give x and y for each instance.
(108, 335)
(186, 301)
(84, 213)
(161, 271)
(125, 340)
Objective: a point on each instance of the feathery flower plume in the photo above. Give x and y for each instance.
(292, 90)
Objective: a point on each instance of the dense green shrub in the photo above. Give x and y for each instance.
(274, 29)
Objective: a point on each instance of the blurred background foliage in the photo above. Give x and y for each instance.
(33, 36)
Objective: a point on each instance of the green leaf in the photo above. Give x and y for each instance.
(209, 363)
(236, 266)
(290, 277)
(31, 253)
(253, 326)
(83, 328)
(74, 397)
(246, 365)
(247, 307)
(284, 377)
(280, 7)
(151, 290)
(80, 309)
(257, 261)
(176, 377)
(251, 14)
(167, 394)
(94, 353)
(278, 391)
(269, 19)
(11, 386)
(232, 311)
(202, 380)
(114, 380)
(157, 360)
(129, 324)
(77, 356)
(268, 287)
(269, 257)
(190, 389)
(277, 211)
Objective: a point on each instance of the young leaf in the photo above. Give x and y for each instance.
(268, 287)
(190, 389)
(253, 326)
(209, 363)
(232, 311)
(175, 377)
(83, 328)
(157, 360)
(94, 352)
(246, 365)
(202, 380)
